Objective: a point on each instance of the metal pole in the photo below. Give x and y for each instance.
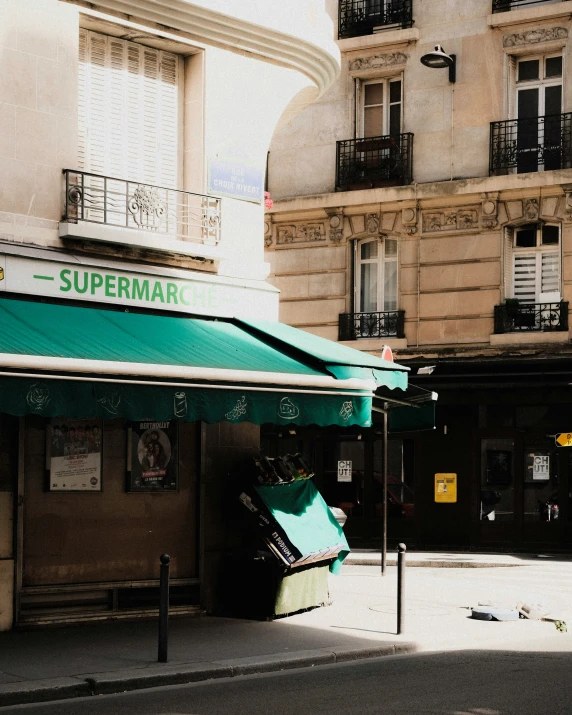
(164, 607)
(384, 500)
(401, 549)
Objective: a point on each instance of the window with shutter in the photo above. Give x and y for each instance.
(376, 275)
(128, 110)
(536, 263)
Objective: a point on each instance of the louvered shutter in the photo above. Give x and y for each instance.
(511, 88)
(128, 110)
(507, 266)
(550, 273)
(525, 277)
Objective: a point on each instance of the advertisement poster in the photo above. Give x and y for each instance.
(345, 471)
(74, 455)
(537, 467)
(152, 465)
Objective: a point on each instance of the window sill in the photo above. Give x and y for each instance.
(138, 239)
(380, 39)
(531, 14)
(530, 337)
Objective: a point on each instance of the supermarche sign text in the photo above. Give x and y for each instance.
(104, 285)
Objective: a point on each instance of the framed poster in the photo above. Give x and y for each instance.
(152, 458)
(73, 455)
(537, 466)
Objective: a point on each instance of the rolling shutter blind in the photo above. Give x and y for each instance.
(550, 273)
(507, 266)
(525, 277)
(128, 110)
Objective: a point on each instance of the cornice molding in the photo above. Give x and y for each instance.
(209, 27)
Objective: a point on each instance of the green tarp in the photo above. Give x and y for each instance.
(302, 513)
(95, 334)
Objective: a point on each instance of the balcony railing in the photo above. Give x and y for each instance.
(532, 317)
(373, 162)
(364, 17)
(504, 5)
(178, 215)
(531, 144)
(387, 324)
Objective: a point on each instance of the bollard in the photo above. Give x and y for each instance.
(401, 549)
(164, 607)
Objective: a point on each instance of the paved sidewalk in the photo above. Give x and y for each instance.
(85, 660)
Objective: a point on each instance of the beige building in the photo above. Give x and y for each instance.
(429, 208)
(133, 144)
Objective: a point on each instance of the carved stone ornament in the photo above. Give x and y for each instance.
(531, 37)
(302, 233)
(409, 220)
(378, 61)
(267, 233)
(489, 211)
(336, 227)
(569, 205)
(531, 209)
(460, 220)
(372, 223)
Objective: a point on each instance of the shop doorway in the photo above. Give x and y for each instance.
(523, 498)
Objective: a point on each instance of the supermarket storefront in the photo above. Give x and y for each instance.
(119, 431)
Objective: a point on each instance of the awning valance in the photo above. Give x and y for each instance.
(77, 361)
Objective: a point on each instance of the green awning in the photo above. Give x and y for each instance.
(339, 360)
(307, 522)
(76, 361)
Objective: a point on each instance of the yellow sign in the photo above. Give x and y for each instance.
(1, 273)
(446, 488)
(564, 439)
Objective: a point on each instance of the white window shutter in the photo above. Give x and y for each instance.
(507, 267)
(511, 88)
(128, 109)
(550, 273)
(525, 277)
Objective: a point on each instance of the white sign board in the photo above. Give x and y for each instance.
(344, 471)
(541, 467)
(196, 294)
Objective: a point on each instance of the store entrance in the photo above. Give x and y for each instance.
(523, 497)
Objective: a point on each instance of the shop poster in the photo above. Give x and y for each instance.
(153, 461)
(74, 455)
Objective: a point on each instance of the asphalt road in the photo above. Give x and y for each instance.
(452, 683)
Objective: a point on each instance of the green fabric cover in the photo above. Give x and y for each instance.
(303, 514)
(300, 589)
(85, 399)
(339, 360)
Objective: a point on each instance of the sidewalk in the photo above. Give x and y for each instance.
(87, 660)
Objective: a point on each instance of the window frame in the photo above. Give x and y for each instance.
(360, 104)
(538, 251)
(381, 260)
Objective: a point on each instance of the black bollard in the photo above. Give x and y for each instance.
(164, 607)
(401, 549)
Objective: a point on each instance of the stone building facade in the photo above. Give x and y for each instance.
(435, 216)
(133, 146)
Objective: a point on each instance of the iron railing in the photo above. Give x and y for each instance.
(387, 324)
(179, 215)
(373, 162)
(539, 317)
(531, 144)
(364, 17)
(504, 5)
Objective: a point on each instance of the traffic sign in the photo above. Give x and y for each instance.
(564, 439)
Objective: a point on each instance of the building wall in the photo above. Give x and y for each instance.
(450, 221)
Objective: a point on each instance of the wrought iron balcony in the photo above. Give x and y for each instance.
(173, 214)
(364, 17)
(373, 162)
(531, 144)
(504, 5)
(515, 317)
(387, 324)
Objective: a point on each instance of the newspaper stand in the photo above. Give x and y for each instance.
(303, 540)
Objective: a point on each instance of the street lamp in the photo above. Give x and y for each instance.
(439, 59)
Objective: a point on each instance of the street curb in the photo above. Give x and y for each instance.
(120, 681)
(40, 691)
(376, 561)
